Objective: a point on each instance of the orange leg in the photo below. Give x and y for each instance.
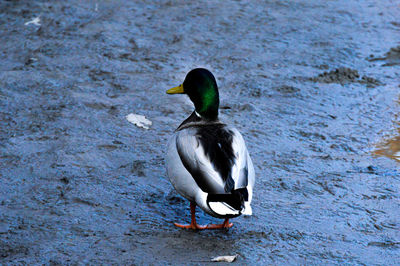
(193, 225)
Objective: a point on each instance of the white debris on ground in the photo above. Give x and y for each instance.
(225, 258)
(139, 120)
(35, 21)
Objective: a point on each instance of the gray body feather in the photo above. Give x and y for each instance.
(195, 176)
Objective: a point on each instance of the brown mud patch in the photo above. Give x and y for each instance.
(344, 75)
(390, 147)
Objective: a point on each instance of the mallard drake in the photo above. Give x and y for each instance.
(207, 160)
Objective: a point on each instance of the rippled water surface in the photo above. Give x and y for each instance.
(312, 85)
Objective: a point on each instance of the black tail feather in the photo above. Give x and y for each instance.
(236, 199)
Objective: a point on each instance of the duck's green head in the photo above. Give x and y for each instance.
(202, 89)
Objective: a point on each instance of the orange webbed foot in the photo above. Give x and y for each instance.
(196, 226)
(225, 225)
(193, 225)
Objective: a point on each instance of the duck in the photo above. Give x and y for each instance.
(207, 160)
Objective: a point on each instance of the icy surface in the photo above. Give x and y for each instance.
(313, 86)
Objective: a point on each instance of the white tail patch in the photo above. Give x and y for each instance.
(247, 209)
(222, 208)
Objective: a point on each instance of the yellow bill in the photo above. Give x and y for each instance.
(175, 90)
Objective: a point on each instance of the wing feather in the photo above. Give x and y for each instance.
(240, 166)
(193, 157)
(205, 168)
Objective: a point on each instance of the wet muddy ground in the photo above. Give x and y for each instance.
(312, 85)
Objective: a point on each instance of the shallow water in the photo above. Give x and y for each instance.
(312, 85)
